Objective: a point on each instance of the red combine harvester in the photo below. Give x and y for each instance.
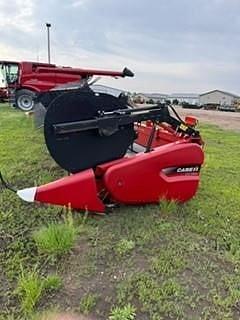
(25, 79)
(114, 153)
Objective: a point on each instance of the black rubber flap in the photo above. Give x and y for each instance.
(77, 151)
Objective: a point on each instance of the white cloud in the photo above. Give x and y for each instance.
(10, 53)
(21, 18)
(78, 3)
(170, 45)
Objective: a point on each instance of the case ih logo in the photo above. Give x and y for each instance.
(188, 169)
(181, 170)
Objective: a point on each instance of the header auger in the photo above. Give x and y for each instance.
(116, 154)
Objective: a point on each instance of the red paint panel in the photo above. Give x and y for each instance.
(161, 136)
(42, 77)
(102, 168)
(79, 191)
(141, 180)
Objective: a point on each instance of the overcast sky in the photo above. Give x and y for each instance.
(171, 45)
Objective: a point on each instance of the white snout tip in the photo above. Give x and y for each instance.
(27, 194)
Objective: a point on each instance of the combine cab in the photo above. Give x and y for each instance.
(9, 71)
(3, 87)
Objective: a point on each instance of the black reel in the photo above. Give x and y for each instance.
(77, 151)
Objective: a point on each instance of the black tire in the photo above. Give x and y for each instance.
(24, 99)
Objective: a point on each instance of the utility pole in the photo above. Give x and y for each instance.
(48, 25)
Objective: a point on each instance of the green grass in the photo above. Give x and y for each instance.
(52, 282)
(168, 207)
(87, 303)
(167, 262)
(31, 286)
(125, 313)
(29, 290)
(156, 296)
(55, 239)
(124, 246)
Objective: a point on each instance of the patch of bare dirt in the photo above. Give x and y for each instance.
(224, 120)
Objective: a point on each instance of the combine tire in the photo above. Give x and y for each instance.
(24, 99)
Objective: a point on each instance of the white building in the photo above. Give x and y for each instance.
(218, 98)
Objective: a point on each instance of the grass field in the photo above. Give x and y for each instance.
(140, 263)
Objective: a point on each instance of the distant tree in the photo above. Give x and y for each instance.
(175, 102)
(168, 102)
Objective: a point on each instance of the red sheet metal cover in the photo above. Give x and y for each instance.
(144, 179)
(79, 191)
